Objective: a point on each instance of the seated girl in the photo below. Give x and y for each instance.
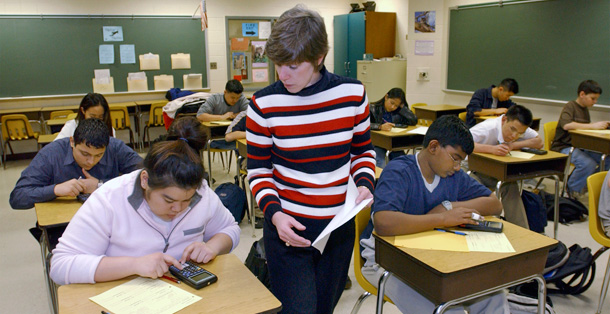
(91, 106)
(143, 222)
(390, 111)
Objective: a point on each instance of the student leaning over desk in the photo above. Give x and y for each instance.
(387, 112)
(144, 221)
(420, 192)
(93, 105)
(575, 116)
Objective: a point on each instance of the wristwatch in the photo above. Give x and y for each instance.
(99, 183)
(447, 205)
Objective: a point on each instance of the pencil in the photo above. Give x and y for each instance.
(170, 279)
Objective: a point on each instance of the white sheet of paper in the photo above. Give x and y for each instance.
(264, 29)
(397, 130)
(106, 54)
(480, 241)
(145, 295)
(102, 76)
(349, 210)
(419, 130)
(128, 54)
(598, 131)
(520, 154)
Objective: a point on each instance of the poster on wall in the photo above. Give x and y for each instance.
(260, 75)
(425, 21)
(241, 65)
(249, 29)
(259, 54)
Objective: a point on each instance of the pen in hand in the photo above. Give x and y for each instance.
(170, 279)
(450, 231)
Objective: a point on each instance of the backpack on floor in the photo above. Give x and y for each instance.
(233, 198)
(256, 262)
(569, 209)
(576, 275)
(522, 304)
(535, 210)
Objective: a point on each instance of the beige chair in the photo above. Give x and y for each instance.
(16, 127)
(59, 114)
(594, 183)
(121, 121)
(422, 122)
(155, 119)
(361, 220)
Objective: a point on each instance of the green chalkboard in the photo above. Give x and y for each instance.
(548, 47)
(57, 55)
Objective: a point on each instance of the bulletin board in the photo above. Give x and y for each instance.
(247, 59)
(57, 55)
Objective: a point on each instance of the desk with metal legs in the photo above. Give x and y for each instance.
(55, 213)
(594, 140)
(506, 168)
(448, 278)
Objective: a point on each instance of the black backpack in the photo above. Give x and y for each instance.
(233, 198)
(535, 210)
(569, 209)
(257, 262)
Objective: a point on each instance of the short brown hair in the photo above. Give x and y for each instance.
(299, 35)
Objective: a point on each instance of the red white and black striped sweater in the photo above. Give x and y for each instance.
(303, 147)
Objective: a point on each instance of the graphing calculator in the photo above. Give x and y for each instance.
(82, 197)
(193, 275)
(485, 225)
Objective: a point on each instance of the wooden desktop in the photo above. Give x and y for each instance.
(434, 111)
(444, 276)
(236, 291)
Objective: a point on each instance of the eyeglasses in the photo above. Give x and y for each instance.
(456, 163)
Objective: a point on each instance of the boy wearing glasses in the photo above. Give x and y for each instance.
(420, 192)
(499, 136)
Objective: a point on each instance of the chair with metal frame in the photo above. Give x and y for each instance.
(422, 122)
(595, 184)
(155, 119)
(122, 121)
(16, 127)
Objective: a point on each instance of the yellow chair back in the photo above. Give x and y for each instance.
(549, 134)
(60, 114)
(155, 116)
(120, 117)
(594, 183)
(423, 122)
(462, 116)
(16, 127)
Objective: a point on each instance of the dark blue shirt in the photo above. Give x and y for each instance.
(482, 99)
(55, 164)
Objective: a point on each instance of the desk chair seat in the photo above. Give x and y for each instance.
(362, 219)
(121, 121)
(60, 114)
(155, 119)
(16, 127)
(594, 183)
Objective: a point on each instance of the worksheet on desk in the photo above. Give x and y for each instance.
(480, 241)
(145, 295)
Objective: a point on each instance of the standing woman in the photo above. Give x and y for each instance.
(387, 112)
(308, 134)
(143, 222)
(93, 105)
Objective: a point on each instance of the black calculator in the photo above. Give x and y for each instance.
(82, 197)
(193, 275)
(485, 225)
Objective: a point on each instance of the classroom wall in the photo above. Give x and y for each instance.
(431, 92)
(217, 11)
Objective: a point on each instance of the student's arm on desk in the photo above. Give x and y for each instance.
(152, 265)
(499, 150)
(389, 223)
(600, 125)
(490, 112)
(207, 117)
(535, 142)
(230, 137)
(35, 184)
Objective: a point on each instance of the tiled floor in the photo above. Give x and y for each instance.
(23, 289)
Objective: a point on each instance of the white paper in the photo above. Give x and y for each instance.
(128, 54)
(264, 29)
(102, 76)
(145, 295)
(349, 210)
(419, 130)
(136, 76)
(424, 47)
(106, 54)
(522, 155)
(479, 241)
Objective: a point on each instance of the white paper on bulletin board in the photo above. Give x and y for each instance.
(106, 54)
(260, 75)
(181, 61)
(149, 61)
(128, 54)
(424, 47)
(264, 29)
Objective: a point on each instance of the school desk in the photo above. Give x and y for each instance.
(434, 111)
(535, 121)
(32, 113)
(590, 140)
(508, 169)
(236, 291)
(45, 139)
(55, 213)
(448, 278)
(396, 141)
(214, 130)
(55, 125)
